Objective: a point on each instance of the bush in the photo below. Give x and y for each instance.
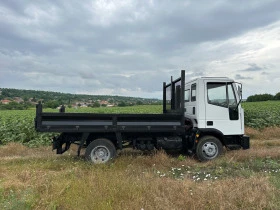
(122, 104)
(260, 97)
(52, 104)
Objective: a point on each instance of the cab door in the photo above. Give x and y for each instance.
(191, 102)
(221, 110)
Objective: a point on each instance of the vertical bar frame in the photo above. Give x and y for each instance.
(183, 91)
(164, 98)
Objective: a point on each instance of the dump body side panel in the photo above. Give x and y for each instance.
(73, 122)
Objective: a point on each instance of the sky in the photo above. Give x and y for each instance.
(129, 47)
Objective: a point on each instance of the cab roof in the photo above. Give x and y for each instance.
(217, 79)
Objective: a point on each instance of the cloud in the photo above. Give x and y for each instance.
(253, 68)
(130, 47)
(240, 77)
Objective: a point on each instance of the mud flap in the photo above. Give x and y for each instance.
(245, 142)
(57, 144)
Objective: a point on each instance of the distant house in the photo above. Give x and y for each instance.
(5, 101)
(81, 104)
(103, 102)
(18, 99)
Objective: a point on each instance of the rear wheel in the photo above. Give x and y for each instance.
(208, 148)
(100, 151)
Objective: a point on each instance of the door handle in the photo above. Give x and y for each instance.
(210, 123)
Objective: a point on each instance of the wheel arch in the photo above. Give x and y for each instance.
(95, 136)
(212, 132)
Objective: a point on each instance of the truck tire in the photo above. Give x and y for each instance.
(100, 151)
(208, 148)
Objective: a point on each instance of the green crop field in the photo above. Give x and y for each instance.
(262, 114)
(18, 125)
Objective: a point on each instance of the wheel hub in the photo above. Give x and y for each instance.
(210, 149)
(100, 154)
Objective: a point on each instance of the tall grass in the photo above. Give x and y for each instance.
(35, 178)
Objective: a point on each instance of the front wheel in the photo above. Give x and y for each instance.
(100, 151)
(208, 148)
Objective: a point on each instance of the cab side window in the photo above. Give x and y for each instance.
(187, 95)
(193, 92)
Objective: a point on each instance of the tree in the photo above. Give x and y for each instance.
(25, 98)
(277, 96)
(260, 97)
(95, 104)
(52, 104)
(122, 104)
(14, 105)
(27, 105)
(139, 103)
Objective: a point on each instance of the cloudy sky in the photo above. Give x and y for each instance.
(129, 47)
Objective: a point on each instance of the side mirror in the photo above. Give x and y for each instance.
(239, 90)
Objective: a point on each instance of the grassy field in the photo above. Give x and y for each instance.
(37, 178)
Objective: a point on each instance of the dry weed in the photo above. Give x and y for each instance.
(263, 134)
(131, 181)
(17, 150)
(254, 152)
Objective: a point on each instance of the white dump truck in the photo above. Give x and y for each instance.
(199, 117)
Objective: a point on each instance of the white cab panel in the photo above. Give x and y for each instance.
(211, 103)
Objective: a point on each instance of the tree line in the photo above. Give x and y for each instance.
(65, 97)
(16, 106)
(55, 99)
(263, 97)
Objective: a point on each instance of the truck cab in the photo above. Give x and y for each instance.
(212, 104)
